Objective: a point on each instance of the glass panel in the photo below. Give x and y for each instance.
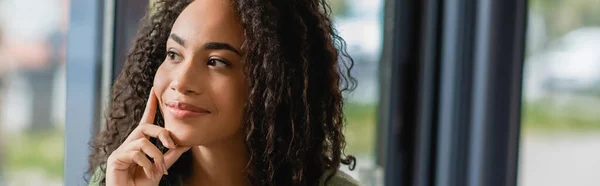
(32, 91)
(560, 143)
(360, 23)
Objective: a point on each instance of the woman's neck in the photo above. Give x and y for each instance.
(220, 164)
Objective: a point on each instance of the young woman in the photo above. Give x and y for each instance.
(229, 92)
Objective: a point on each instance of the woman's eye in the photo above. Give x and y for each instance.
(217, 63)
(173, 56)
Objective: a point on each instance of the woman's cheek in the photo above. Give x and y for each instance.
(161, 83)
(161, 80)
(237, 98)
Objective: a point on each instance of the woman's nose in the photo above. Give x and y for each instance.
(182, 88)
(186, 81)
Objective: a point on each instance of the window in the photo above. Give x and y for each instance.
(560, 138)
(360, 23)
(32, 91)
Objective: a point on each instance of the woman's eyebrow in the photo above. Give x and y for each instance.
(209, 45)
(178, 39)
(221, 46)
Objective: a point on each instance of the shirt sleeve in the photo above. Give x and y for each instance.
(339, 179)
(96, 178)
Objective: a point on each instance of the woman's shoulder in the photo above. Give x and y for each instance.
(339, 179)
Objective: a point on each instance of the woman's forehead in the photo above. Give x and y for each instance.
(209, 21)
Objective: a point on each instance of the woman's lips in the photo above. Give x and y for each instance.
(181, 110)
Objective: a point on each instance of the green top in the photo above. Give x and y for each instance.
(339, 179)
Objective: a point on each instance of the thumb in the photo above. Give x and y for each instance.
(173, 154)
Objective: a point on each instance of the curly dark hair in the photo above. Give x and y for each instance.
(296, 69)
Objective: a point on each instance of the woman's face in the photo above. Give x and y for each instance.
(200, 85)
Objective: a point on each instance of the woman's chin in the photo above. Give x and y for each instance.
(185, 138)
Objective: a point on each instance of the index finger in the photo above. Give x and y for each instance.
(150, 110)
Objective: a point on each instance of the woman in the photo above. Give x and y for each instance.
(229, 92)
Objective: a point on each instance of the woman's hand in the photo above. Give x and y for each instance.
(129, 165)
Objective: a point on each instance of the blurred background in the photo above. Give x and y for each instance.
(32, 91)
(560, 136)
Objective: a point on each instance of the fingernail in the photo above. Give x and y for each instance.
(165, 169)
(173, 145)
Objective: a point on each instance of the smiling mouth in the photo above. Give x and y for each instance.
(181, 110)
